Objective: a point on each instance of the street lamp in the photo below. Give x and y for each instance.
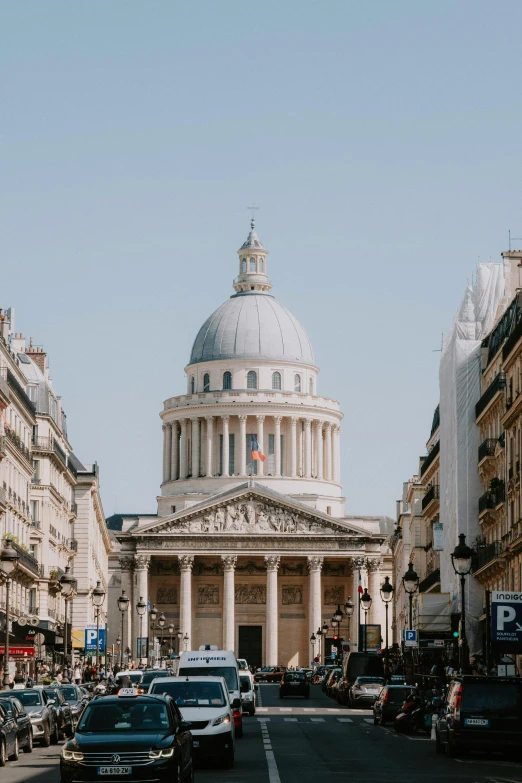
(386, 596)
(410, 580)
(349, 609)
(119, 644)
(97, 597)
(312, 642)
(8, 561)
(123, 605)
(161, 623)
(180, 637)
(141, 608)
(67, 585)
(461, 561)
(366, 601)
(186, 640)
(153, 613)
(318, 636)
(337, 619)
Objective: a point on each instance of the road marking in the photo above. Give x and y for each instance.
(263, 720)
(333, 710)
(317, 720)
(308, 709)
(262, 709)
(417, 739)
(285, 709)
(290, 720)
(273, 772)
(345, 720)
(259, 700)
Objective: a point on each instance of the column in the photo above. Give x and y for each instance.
(315, 564)
(242, 445)
(308, 448)
(195, 447)
(260, 440)
(376, 612)
(140, 625)
(328, 452)
(167, 439)
(183, 449)
(174, 452)
(126, 568)
(336, 457)
(277, 451)
(272, 652)
(226, 445)
(210, 445)
(186, 563)
(293, 446)
(319, 446)
(229, 628)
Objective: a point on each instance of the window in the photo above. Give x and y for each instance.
(192, 385)
(33, 393)
(311, 386)
(261, 265)
(297, 383)
(36, 474)
(243, 265)
(252, 380)
(276, 380)
(35, 510)
(252, 264)
(173, 509)
(206, 382)
(227, 380)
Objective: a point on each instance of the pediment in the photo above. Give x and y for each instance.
(251, 512)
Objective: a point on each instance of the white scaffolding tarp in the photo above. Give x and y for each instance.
(460, 486)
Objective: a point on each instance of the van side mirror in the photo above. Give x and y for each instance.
(185, 725)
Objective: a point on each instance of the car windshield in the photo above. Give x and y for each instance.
(294, 676)
(127, 714)
(370, 680)
(28, 698)
(243, 665)
(135, 677)
(193, 694)
(492, 698)
(398, 695)
(51, 694)
(246, 684)
(147, 678)
(7, 705)
(228, 672)
(268, 668)
(70, 693)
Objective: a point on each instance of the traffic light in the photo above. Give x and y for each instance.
(455, 625)
(335, 638)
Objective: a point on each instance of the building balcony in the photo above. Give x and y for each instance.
(26, 561)
(431, 581)
(495, 388)
(72, 544)
(32, 609)
(487, 449)
(430, 459)
(488, 561)
(18, 444)
(36, 524)
(5, 397)
(430, 501)
(53, 532)
(3, 499)
(73, 508)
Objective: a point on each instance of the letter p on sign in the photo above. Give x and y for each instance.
(91, 636)
(505, 614)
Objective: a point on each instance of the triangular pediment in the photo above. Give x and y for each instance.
(250, 510)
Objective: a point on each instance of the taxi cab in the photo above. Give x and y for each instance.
(129, 737)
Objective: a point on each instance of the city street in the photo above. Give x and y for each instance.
(297, 741)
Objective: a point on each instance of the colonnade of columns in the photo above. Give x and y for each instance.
(192, 447)
(140, 565)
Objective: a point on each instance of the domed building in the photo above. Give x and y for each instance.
(251, 548)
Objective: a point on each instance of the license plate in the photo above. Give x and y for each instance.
(476, 722)
(114, 770)
(195, 744)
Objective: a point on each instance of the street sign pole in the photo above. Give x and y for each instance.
(488, 631)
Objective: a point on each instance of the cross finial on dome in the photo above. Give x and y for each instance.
(253, 221)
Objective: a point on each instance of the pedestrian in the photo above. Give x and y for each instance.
(77, 674)
(19, 678)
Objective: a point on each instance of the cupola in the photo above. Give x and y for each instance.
(252, 264)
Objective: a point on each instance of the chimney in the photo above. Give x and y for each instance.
(37, 354)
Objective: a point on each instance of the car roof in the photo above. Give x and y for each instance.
(147, 697)
(189, 678)
(13, 694)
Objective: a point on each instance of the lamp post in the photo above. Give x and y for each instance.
(153, 613)
(318, 636)
(337, 619)
(67, 584)
(386, 595)
(312, 642)
(119, 644)
(461, 561)
(123, 605)
(186, 640)
(161, 623)
(349, 609)
(141, 608)
(365, 601)
(410, 580)
(180, 637)
(8, 562)
(98, 596)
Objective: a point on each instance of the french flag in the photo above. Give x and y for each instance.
(359, 584)
(255, 451)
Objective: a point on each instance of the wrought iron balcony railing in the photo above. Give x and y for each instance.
(498, 383)
(486, 554)
(433, 493)
(487, 448)
(429, 581)
(430, 458)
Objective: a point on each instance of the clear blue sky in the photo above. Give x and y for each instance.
(382, 141)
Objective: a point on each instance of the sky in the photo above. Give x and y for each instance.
(380, 139)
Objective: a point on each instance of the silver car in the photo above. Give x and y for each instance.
(41, 714)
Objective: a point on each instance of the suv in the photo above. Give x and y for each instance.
(482, 713)
(270, 674)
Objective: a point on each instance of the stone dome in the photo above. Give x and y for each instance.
(252, 325)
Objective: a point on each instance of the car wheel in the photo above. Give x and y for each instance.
(29, 744)
(54, 737)
(439, 748)
(46, 739)
(189, 778)
(15, 755)
(450, 749)
(253, 710)
(3, 757)
(375, 719)
(179, 776)
(69, 731)
(228, 759)
(382, 721)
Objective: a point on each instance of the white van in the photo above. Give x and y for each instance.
(205, 703)
(209, 661)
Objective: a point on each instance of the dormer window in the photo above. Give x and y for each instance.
(252, 264)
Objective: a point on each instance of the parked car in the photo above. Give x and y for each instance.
(365, 691)
(8, 737)
(64, 719)
(248, 696)
(270, 674)
(76, 698)
(41, 714)
(332, 679)
(388, 703)
(294, 684)
(480, 713)
(25, 731)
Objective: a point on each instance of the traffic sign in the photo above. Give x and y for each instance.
(333, 650)
(90, 640)
(410, 638)
(506, 618)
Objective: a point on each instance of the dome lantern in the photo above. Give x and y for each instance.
(252, 264)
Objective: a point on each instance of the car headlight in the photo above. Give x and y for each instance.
(37, 715)
(72, 755)
(222, 719)
(167, 753)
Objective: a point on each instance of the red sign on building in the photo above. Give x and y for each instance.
(18, 652)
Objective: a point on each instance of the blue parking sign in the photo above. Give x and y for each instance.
(90, 639)
(410, 638)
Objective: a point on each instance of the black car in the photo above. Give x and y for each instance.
(388, 703)
(133, 737)
(41, 714)
(480, 713)
(14, 708)
(152, 674)
(294, 684)
(63, 712)
(8, 737)
(76, 698)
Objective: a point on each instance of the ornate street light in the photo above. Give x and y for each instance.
(461, 559)
(98, 597)
(123, 605)
(9, 558)
(386, 596)
(349, 610)
(365, 601)
(312, 642)
(410, 580)
(141, 608)
(337, 619)
(67, 584)
(186, 640)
